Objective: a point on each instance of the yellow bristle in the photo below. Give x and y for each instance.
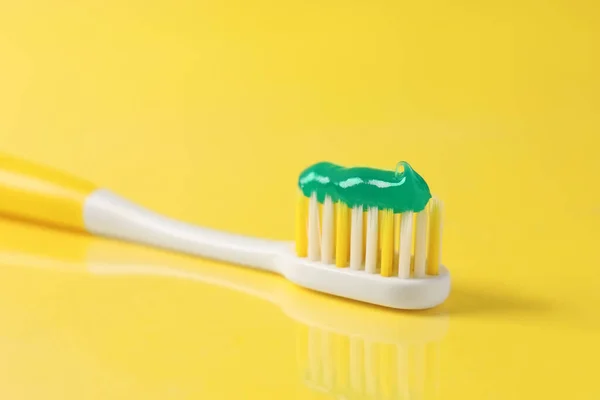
(335, 213)
(301, 225)
(418, 264)
(387, 243)
(397, 222)
(342, 235)
(328, 231)
(435, 237)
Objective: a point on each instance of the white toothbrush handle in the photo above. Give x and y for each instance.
(108, 214)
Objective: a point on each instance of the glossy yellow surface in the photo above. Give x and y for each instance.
(40, 194)
(183, 105)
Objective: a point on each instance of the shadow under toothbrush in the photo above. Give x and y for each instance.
(471, 300)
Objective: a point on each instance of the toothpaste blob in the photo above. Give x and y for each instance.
(368, 187)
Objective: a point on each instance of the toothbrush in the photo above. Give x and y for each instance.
(109, 259)
(386, 277)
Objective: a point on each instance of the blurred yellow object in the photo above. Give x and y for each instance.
(30, 191)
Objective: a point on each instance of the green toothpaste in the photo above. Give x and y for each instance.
(367, 187)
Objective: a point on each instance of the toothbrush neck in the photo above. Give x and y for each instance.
(110, 215)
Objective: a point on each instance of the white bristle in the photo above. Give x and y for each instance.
(327, 237)
(406, 227)
(372, 238)
(314, 251)
(420, 244)
(356, 242)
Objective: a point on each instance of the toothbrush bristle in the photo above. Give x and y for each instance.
(406, 245)
(435, 236)
(314, 231)
(342, 235)
(420, 244)
(404, 256)
(356, 239)
(387, 243)
(328, 230)
(372, 240)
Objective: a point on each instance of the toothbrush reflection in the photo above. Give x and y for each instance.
(355, 368)
(344, 349)
(351, 351)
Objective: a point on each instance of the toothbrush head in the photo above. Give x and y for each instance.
(370, 235)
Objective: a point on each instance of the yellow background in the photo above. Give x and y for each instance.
(207, 111)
